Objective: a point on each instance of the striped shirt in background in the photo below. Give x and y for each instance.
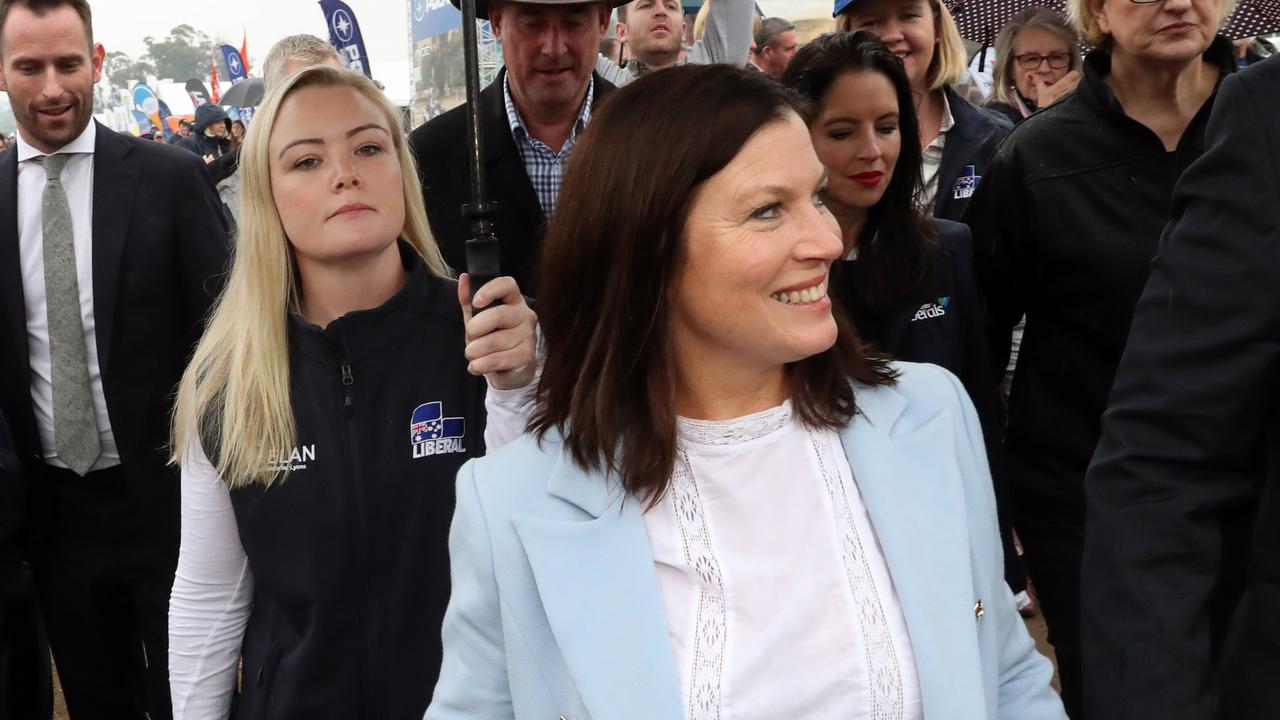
(932, 158)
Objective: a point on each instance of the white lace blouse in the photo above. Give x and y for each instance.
(777, 596)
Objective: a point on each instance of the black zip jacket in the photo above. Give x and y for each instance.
(1065, 226)
(971, 144)
(349, 553)
(943, 325)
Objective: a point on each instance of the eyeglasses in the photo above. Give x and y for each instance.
(1031, 61)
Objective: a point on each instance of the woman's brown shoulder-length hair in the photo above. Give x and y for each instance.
(612, 254)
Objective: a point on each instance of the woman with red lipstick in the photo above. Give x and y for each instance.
(1065, 226)
(957, 139)
(907, 279)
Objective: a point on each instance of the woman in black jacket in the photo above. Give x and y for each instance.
(907, 279)
(957, 139)
(325, 412)
(1065, 227)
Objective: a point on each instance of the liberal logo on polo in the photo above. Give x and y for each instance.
(431, 433)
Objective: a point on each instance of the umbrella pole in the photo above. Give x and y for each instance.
(483, 256)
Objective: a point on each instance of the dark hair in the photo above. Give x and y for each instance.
(770, 31)
(895, 251)
(41, 7)
(610, 258)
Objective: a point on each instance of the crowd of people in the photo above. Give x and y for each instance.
(806, 375)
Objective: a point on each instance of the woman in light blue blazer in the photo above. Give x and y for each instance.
(726, 507)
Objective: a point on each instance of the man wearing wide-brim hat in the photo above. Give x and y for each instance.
(531, 117)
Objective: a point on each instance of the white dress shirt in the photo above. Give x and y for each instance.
(778, 599)
(77, 180)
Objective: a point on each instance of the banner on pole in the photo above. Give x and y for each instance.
(235, 63)
(344, 35)
(146, 102)
(434, 17)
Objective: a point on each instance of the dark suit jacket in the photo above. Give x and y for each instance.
(440, 149)
(971, 143)
(1181, 580)
(160, 249)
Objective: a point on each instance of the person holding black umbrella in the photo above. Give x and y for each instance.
(322, 419)
(531, 116)
(1065, 226)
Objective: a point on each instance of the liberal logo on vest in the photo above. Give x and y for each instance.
(966, 184)
(431, 433)
(933, 309)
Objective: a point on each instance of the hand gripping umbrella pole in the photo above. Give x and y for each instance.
(483, 255)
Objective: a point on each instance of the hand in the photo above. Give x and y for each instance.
(208, 159)
(1050, 93)
(501, 341)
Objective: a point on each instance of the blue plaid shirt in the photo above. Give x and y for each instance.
(544, 166)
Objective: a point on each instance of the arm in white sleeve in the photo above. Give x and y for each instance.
(612, 72)
(508, 411)
(212, 591)
(728, 35)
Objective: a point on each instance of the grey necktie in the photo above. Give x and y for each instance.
(75, 424)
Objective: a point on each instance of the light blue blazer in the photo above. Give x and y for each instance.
(556, 610)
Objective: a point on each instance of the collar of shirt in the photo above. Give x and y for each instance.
(933, 151)
(521, 133)
(86, 143)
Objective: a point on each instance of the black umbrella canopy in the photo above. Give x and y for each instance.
(1252, 18)
(244, 94)
(981, 20)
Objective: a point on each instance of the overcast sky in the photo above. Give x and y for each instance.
(122, 24)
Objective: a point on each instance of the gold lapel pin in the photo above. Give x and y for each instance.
(978, 609)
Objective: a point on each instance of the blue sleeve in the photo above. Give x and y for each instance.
(1023, 675)
(473, 678)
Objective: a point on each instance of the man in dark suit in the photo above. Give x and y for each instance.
(531, 117)
(1181, 580)
(26, 686)
(111, 250)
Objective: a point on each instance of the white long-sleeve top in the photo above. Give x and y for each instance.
(778, 598)
(213, 588)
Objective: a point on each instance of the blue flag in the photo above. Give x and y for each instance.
(344, 34)
(164, 118)
(235, 63)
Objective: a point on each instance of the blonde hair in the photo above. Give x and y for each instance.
(1032, 17)
(234, 397)
(949, 65)
(1086, 23)
(307, 49)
